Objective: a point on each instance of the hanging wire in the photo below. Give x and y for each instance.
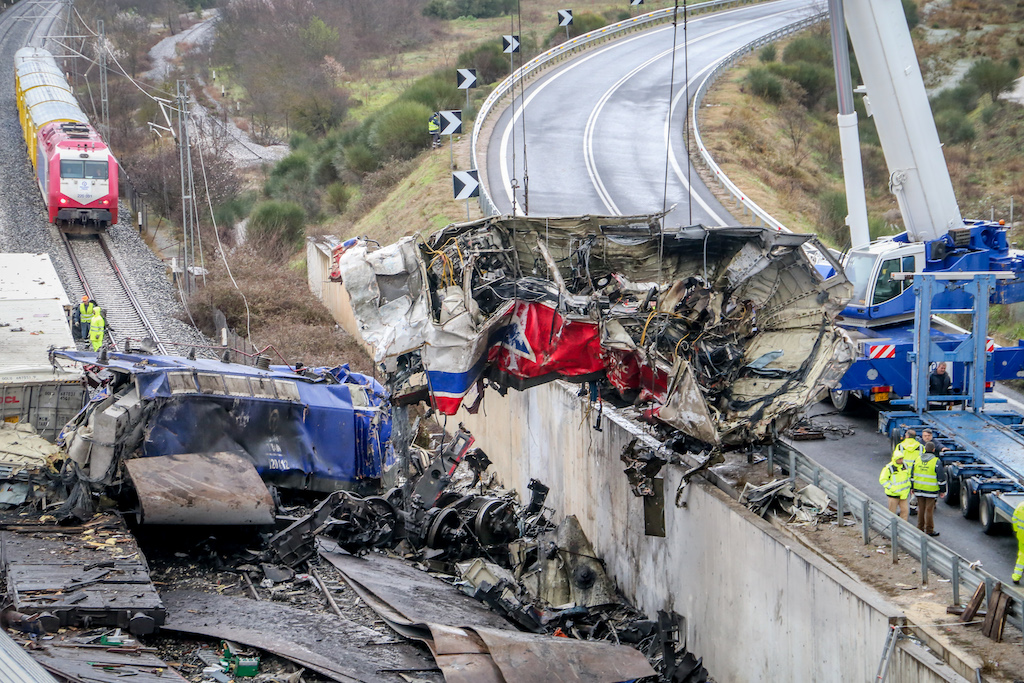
(671, 94)
(522, 97)
(686, 118)
(220, 247)
(512, 74)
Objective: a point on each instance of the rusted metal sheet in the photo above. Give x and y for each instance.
(332, 646)
(423, 607)
(83, 662)
(417, 596)
(97, 577)
(200, 488)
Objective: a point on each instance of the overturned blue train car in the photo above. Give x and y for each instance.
(317, 429)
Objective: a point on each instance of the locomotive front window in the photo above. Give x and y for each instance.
(72, 168)
(96, 169)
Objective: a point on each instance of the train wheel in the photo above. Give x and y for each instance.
(989, 521)
(969, 502)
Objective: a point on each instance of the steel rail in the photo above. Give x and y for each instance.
(121, 284)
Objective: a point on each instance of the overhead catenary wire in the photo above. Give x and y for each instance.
(522, 98)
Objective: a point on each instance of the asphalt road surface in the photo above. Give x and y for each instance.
(859, 458)
(596, 127)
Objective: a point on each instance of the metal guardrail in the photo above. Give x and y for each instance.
(562, 52)
(875, 518)
(740, 197)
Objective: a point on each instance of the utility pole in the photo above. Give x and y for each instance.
(185, 165)
(104, 102)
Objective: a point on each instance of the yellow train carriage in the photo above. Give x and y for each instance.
(43, 95)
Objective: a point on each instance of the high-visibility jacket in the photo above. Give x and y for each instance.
(896, 480)
(911, 450)
(97, 327)
(1018, 526)
(925, 475)
(434, 125)
(85, 310)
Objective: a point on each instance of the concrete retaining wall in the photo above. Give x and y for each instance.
(757, 605)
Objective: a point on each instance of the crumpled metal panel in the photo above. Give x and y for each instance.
(739, 319)
(200, 488)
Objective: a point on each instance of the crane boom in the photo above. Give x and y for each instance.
(897, 100)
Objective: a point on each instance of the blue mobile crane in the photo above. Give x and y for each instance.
(880, 314)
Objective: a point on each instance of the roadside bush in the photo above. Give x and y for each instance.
(295, 166)
(814, 79)
(490, 62)
(767, 54)
(582, 22)
(274, 223)
(338, 196)
(453, 9)
(400, 130)
(357, 158)
(962, 98)
(436, 92)
(832, 213)
(764, 85)
(812, 48)
(954, 128)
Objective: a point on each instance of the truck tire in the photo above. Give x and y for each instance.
(840, 399)
(989, 521)
(969, 502)
(952, 488)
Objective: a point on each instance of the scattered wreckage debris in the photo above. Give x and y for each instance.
(780, 496)
(25, 458)
(467, 644)
(721, 333)
(96, 577)
(807, 429)
(101, 658)
(332, 646)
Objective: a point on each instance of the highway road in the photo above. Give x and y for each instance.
(595, 134)
(596, 127)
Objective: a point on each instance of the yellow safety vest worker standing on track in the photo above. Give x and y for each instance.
(1018, 527)
(97, 328)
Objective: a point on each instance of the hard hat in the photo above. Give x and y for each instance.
(84, 298)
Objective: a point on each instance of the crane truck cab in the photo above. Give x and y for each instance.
(878, 298)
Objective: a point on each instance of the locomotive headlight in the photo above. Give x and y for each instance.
(63, 200)
(105, 202)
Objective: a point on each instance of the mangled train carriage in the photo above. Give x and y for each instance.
(721, 333)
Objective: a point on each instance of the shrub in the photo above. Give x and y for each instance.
(811, 48)
(814, 79)
(297, 140)
(436, 92)
(453, 9)
(338, 196)
(357, 158)
(954, 128)
(582, 22)
(832, 213)
(988, 114)
(767, 54)
(910, 9)
(295, 166)
(490, 62)
(274, 222)
(992, 77)
(400, 130)
(962, 98)
(764, 85)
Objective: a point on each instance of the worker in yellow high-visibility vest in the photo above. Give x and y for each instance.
(1018, 527)
(895, 477)
(97, 329)
(928, 479)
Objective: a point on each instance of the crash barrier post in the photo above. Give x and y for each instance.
(727, 63)
(562, 52)
(934, 556)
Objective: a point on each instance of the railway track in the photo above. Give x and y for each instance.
(102, 280)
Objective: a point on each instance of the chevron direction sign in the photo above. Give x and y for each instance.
(466, 184)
